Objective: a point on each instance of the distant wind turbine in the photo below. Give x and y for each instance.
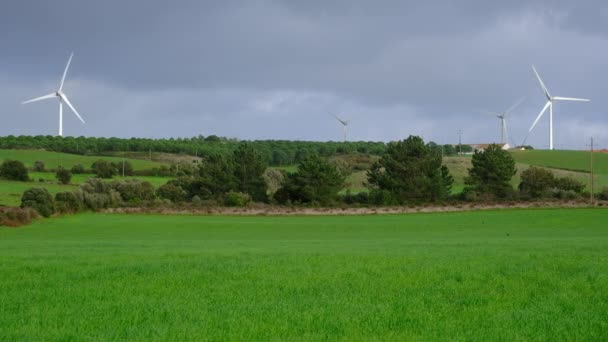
(344, 124)
(549, 105)
(61, 96)
(504, 134)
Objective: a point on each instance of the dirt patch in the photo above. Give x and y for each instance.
(285, 211)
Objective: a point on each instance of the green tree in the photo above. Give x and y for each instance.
(411, 171)
(104, 169)
(216, 177)
(536, 182)
(171, 192)
(315, 181)
(491, 172)
(14, 170)
(38, 166)
(39, 199)
(78, 169)
(249, 169)
(64, 176)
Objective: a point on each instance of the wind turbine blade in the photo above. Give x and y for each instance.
(487, 112)
(65, 72)
(340, 120)
(65, 99)
(514, 105)
(539, 116)
(49, 96)
(570, 99)
(542, 84)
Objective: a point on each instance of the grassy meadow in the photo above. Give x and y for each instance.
(489, 275)
(52, 160)
(565, 160)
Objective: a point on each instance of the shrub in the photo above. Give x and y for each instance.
(15, 217)
(78, 169)
(171, 192)
(236, 199)
(274, 178)
(14, 170)
(38, 166)
(104, 169)
(96, 194)
(134, 190)
(67, 202)
(358, 198)
(604, 194)
(64, 176)
(40, 200)
(128, 168)
(569, 184)
(536, 182)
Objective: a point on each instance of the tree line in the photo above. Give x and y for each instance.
(410, 172)
(273, 152)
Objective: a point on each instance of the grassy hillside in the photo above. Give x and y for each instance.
(482, 276)
(566, 160)
(459, 169)
(54, 159)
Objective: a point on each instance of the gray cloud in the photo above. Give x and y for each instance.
(275, 69)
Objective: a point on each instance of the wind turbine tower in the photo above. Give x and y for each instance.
(344, 125)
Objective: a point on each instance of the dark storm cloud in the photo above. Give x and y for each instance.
(187, 67)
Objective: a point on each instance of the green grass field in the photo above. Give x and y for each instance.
(492, 275)
(53, 160)
(566, 160)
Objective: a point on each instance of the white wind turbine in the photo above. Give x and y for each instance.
(504, 134)
(549, 105)
(344, 124)
(60, 95)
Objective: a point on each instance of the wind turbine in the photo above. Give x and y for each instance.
(549, 105)
(504, 134)
(61, 96)
(344, 124)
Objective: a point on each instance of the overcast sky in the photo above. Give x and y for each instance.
(277, 69)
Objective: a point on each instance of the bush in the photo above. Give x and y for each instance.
(40, 200)
(128, 168)
(63, 176)
(134, 190)
(14, 170)
(171, 192)
(96, 194)
(104, 169)
(536, 182)
(569, 184)
(236, 199)
(78, 169)
(604, 194)
(67, 203)
(38, 166)
(358, 198)
(15, 217)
